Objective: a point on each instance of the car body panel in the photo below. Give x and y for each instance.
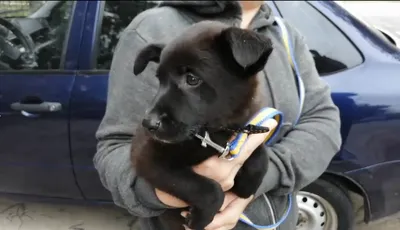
(35, 155)
(88, 103)
(368, 98)
(87, 108)
(35, 150)
(370, 109)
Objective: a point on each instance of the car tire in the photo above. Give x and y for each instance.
(324, 205)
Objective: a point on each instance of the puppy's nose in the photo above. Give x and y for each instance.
(152, 123)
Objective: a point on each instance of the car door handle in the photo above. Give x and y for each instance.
(39, 107)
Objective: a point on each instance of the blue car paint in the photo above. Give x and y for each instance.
(35, 157)
(367, 96)
(55, 151)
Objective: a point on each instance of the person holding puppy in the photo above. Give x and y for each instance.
(299, 157)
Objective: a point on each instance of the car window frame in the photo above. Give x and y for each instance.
(341, 32)
(67, 36)
(96, 40)
(63, 57)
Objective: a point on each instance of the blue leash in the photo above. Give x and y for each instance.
(290, 52)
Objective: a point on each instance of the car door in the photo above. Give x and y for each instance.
(336, 57)
(366, 91)
(105, 20)
(34, 106)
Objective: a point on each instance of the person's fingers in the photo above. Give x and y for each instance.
(170, 200)
(230, 216)
(224, 171)
(223, 219)
(229, 197)
(226, 185)
(217, 169)
(229, 181)
(211, 168)
(225, 228)
(207, 167)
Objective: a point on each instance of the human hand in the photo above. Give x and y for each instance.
(229, 217)
(221, 170)
(170, 200)
(224, 171)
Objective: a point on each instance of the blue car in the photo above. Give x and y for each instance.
(54, 64)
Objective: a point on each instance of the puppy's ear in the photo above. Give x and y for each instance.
(249, 49)
(149, 53)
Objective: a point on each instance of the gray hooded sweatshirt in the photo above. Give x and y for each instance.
(298, 157)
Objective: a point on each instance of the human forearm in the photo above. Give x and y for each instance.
(170, 200)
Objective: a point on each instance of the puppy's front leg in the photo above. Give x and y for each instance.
(251, 173)
(205, 196)
(171, 219)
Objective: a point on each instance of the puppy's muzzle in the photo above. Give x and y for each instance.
(152, 122)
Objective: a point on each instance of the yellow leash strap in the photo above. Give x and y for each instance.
(236, 145)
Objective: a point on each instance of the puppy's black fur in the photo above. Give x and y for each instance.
(208, 78)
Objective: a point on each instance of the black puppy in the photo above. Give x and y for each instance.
(208, 81)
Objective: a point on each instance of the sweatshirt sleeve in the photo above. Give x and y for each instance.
(305, 152)
(124, 111)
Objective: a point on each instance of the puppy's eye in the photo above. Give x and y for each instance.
(192, 80)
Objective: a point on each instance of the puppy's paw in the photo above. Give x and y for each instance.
(251, 174)
(202, 214)
(196, 220)
(247, 183)
(243, 190)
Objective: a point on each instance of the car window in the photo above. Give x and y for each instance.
(116, 17)
(19, 8)
(331, 49)
(44, 24)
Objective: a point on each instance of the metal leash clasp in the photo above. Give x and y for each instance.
(206, 140)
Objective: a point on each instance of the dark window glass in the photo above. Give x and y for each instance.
(39, 26)
(116, 17)
(331, 49)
